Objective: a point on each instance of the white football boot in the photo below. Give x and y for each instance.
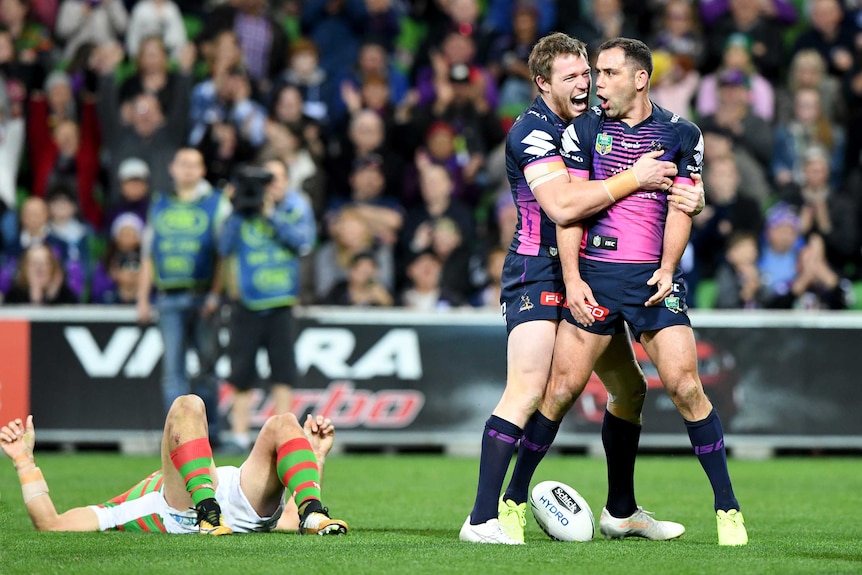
(638, 524)
(487, 532)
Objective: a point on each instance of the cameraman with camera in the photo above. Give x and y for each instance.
(271, 227)
(179, 260)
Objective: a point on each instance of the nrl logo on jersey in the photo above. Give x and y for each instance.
(604, 143)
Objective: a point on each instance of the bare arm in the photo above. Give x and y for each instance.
(677, 229)
(567, 202)
(17, 440)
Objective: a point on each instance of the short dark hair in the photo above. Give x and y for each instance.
(636, 52)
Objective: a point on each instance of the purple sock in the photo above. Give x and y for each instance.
(498, 444)
(539, 434)
(707, 438)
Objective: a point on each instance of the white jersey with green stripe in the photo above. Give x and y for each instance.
(144, 508)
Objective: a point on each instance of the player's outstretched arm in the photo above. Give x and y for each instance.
(321, 434)
(689, 198)
(17, 439)
(569, 201)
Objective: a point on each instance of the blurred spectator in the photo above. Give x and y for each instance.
(134, 177)
(317, 86)
(826, 34)
(12, 129)
(124, 269)
(95, 22)
(605, 19)
(262, 39)
(424, 292)
(489, 297)
(679, 34)
(477, 130)
(779, 254)
(70, 238)
(726, 213)
(816, 285)
(232, 129)
(45, 12)
(160, 19)
(64, 152)
(758, 23)
(673, 83)
(373, 60)
(153, 76)
(434, 80)
(40, 280)
(719, 143)
(383, 215)
(286, 142)
(287, 108)
(32, 41)
(782, 10)
(498, 15)
(737, 58)
(456, 256)
(508, 56)
(148, 135)
(337, 24)
(808, 127)
(442, 149)
(824, 210)
(366, 135)
(350, 236)
(738, 284)
(438, 201)
(734, 116)
(808, 70)
(363, 286)
(116, 277)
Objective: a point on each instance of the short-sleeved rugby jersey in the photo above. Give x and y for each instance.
(598, 147)
(533, 141)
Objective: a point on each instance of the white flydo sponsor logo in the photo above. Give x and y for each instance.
(538, 143)
(570, 144)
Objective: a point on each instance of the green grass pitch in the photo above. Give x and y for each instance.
(405, 511)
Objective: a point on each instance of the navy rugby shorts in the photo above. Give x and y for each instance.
(621, 290)
(532, 289)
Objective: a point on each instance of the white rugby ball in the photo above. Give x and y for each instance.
(561, 512)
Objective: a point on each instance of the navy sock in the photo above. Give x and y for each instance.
(621, 439)
(707, 438)
(498, 444)
(539, 434)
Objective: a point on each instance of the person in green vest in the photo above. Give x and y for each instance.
(271, 228)
(180, 274)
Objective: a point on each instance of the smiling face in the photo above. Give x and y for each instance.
(567, 91)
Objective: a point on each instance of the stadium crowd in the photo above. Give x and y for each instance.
(390, 116)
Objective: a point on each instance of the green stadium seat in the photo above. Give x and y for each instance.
(705, 294)
(857, 295)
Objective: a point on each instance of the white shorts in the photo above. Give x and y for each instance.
(239, 515)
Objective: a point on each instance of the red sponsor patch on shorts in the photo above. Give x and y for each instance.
(553, 299)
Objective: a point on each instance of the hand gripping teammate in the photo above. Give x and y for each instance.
(190, 494)
(628, 264)
(533, 292)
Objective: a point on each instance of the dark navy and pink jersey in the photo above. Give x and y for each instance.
(597, 147)
(533, 139)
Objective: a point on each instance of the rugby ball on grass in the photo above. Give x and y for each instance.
(561, 512)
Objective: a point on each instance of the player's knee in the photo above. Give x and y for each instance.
(628, 405)
(187, 406)
(281, 424)
(686, 393)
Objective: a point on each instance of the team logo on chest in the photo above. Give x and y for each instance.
(604, 143)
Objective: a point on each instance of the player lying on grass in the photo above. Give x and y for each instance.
(190, 494)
